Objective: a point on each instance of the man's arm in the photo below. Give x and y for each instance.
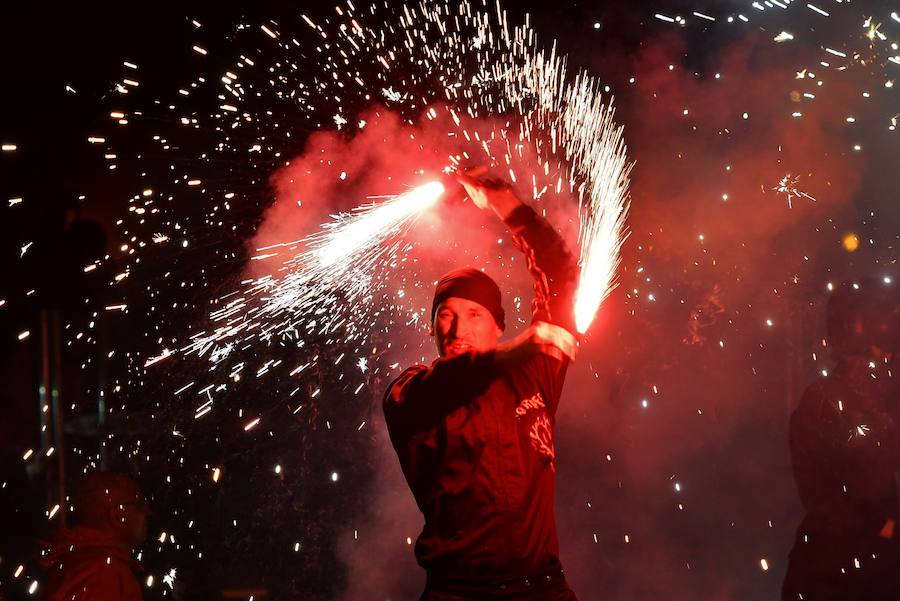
(553, 268)
(422, 396)
(555, 273)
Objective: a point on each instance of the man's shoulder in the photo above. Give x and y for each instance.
(410, 372)
(395, 388)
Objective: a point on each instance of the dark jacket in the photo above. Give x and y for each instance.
(475, 440)
(845, 449)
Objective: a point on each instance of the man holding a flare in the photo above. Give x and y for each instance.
(474, 431)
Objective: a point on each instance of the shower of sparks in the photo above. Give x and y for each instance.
(504, 101)
(340, 267)
(788, 187)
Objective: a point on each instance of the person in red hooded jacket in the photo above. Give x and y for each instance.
(474, 430)
(92, 560)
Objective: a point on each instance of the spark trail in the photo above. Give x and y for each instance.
(339, 266)
(602, 222)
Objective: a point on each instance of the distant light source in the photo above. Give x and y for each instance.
(850, 242)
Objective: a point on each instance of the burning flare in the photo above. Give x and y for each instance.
(369, 225)
(329, 285)
(602, 215)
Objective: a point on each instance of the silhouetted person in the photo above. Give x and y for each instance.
(92, 560)
(474, 430)
(845, 447)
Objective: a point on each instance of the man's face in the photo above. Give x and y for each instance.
(461, 325)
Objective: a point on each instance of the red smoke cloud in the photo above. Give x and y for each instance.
(683, 159)
(718, 382)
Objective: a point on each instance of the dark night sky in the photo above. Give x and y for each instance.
(716, 423)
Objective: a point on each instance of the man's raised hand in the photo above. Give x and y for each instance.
(488, 192)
